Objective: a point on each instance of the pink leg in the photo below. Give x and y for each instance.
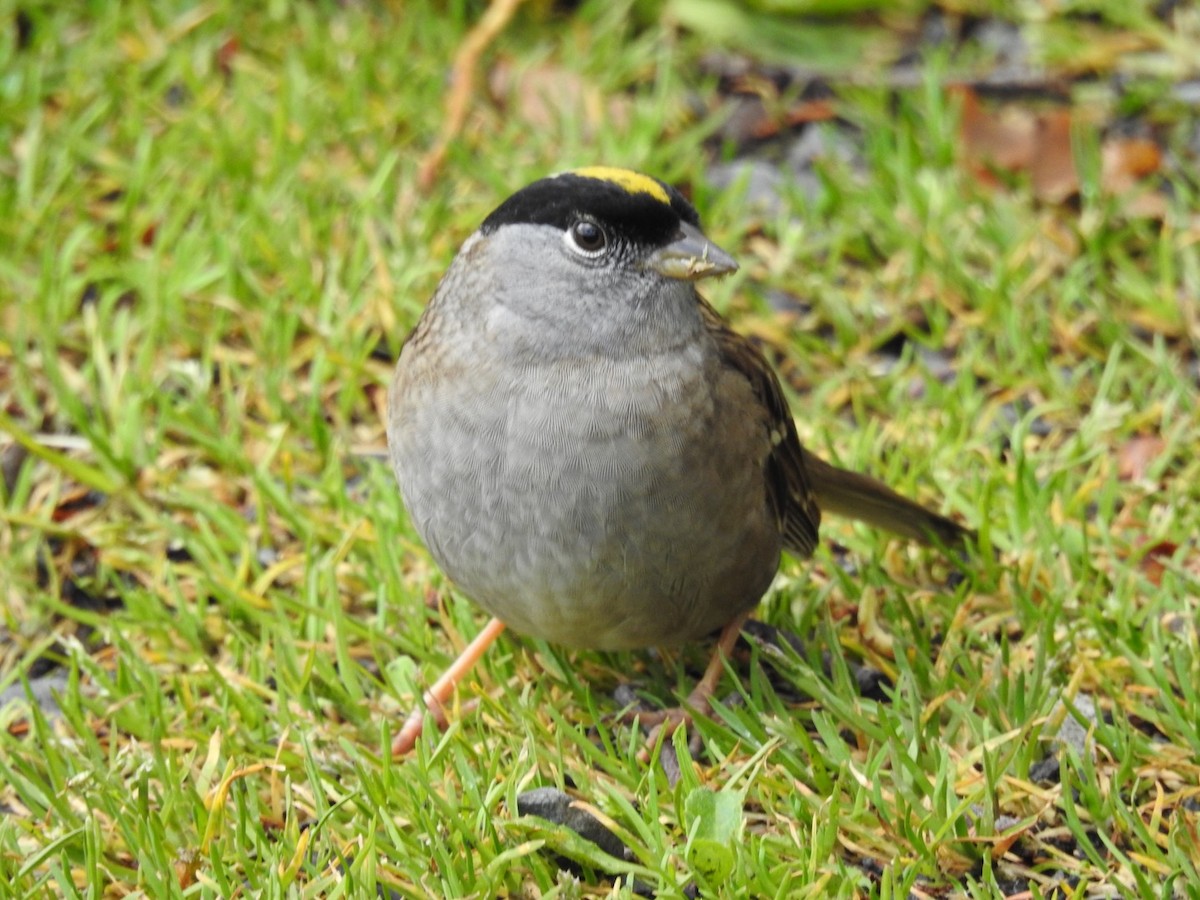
(700, 699)
(437, 695)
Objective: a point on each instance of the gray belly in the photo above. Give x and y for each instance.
(578, 513)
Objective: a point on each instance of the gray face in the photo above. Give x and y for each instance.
(577, 301)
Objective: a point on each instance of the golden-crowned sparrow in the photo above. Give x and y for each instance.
(588, 450)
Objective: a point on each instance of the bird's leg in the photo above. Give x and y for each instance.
(436, 696)
(699, 701)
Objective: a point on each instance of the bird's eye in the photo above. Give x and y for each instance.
(587, 237)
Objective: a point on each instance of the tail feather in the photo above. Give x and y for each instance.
(861, 497)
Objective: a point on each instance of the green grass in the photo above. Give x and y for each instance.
(209, 254)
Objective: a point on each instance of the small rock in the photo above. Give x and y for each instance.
(555, 806)
(1187, 92)
(44, 692)
(764, 183)
(12, 458)
(1045, 772)
(1072, 732)
(820, 143)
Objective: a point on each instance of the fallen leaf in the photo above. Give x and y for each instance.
(801, 113)
(1052, 166)
(1001, 140)
(544, 95)
(1152, 562)
(225, 55)
(187, 864)
(1126, 160)
(1136, 454)
(74, 501)
(1013, 138)
(1124, 165)
(1017, 139)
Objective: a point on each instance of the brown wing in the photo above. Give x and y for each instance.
(789, 488)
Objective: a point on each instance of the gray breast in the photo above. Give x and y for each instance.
(616, 505)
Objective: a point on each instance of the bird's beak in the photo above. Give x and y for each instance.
(690, 257)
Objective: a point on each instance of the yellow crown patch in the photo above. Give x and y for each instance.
(628, 180)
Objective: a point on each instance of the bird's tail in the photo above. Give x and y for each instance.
(861, 497)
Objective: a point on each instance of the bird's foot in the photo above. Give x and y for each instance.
(435, 698)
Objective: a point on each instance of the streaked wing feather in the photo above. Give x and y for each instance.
(789, 488)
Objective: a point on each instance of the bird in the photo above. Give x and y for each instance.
(587, 448)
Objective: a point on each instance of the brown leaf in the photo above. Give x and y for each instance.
(543, 95)
(1136, 454)
(1125, 160)
(1013, 138)
(187, 864)
(1124, 164)
(1153, 560)
(225, 55)
(1001, 844)
(1052, 166)
(1017, 139)
(800, 113)
(74, 501)
(1002, 140)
